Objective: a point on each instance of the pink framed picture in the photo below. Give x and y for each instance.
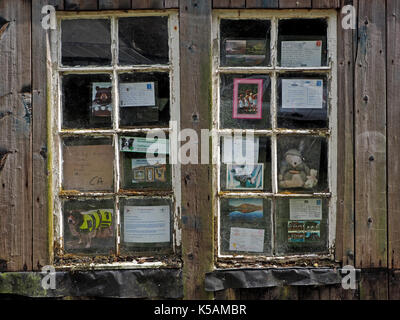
(247, 98)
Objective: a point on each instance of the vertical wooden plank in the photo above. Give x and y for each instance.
(393, 130)
(114, 4)
(374, 285)
(147, 4)
(345, 246)
(291, 4)
(171, 4)
(325, 4)
(370, 136)
(262, 4)
(197, 217)
(229, 4)
(81, 5)
(394, 285)
(15, 136)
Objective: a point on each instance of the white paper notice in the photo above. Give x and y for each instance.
(239, 150)
(302, 93)
(138, 94)
(305, 209)
(146, 224)
(248, 240)
(301, 53)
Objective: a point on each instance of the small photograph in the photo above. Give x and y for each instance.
(245, 177)
(312, 236)
(245, 52)
(143, 171)
(312, 226)
(296, 226)
(247, 98)
(101, 99)
(296, 237)
(245, 209)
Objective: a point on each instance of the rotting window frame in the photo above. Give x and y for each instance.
(55, 133)
(235, 260)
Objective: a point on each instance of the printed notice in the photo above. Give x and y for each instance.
(144, 145)
(301, 53)
(146, 224)
(302, 93)
(138, 94)
(239, 150)
(247, 240)
(305, 209)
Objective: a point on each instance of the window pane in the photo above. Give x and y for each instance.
(142, 171)
(255, 175)
(146, 226)
(302, 101)
(88, 164)
(86, 42)
(245, 42)
(143, 40)
(302, 226)
(302, 164)
(86, 101)
(246, 226)
(144, 99)
(89, 226)
(245, 101)
(302, 43)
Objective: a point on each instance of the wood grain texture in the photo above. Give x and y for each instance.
(147, 4)
(293, 4)
(325, 4)
(224, 4)
(197, 217)
(171, 4)
(370, 137)
(345, 224)
(262, 4)
(393, 130)
(81, 5)
(114, 4)
(15, 136)
(374, 285)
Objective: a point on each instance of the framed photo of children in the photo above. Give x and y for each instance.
(247, 98)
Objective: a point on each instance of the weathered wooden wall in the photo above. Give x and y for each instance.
(368, 208)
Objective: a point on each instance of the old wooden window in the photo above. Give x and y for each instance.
(115, 91)
(274, 90)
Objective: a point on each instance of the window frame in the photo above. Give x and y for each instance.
(274, 71)
(55, 71)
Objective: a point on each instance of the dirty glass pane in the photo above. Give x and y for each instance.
(245, 42)
(89, 226)
(302, 101)
(302, 164)
(245, 163)
(302, 43)
(302, 226)
(146, 226)
(86, 42)
(86, 101)
(144, 99)
(141, 171)
(245, 101)
(246, 226)
(143, 40)
(88, 164)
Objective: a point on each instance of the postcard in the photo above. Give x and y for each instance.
(101, 99)
(301, 53)
(146, 224)
(245, 209)
(245, 177)
(302, 93)
(249, 52)
(305, 209)
(137, 94)
(144, 145)
(143, 171)
(240, 150)
(246, 240)
(247, 98)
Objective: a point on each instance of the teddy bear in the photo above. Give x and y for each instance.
(294, 173)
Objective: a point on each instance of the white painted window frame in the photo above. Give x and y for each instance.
(274, 70)
(55, 131)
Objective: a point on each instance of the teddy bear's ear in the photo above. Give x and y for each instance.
(97, 88)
